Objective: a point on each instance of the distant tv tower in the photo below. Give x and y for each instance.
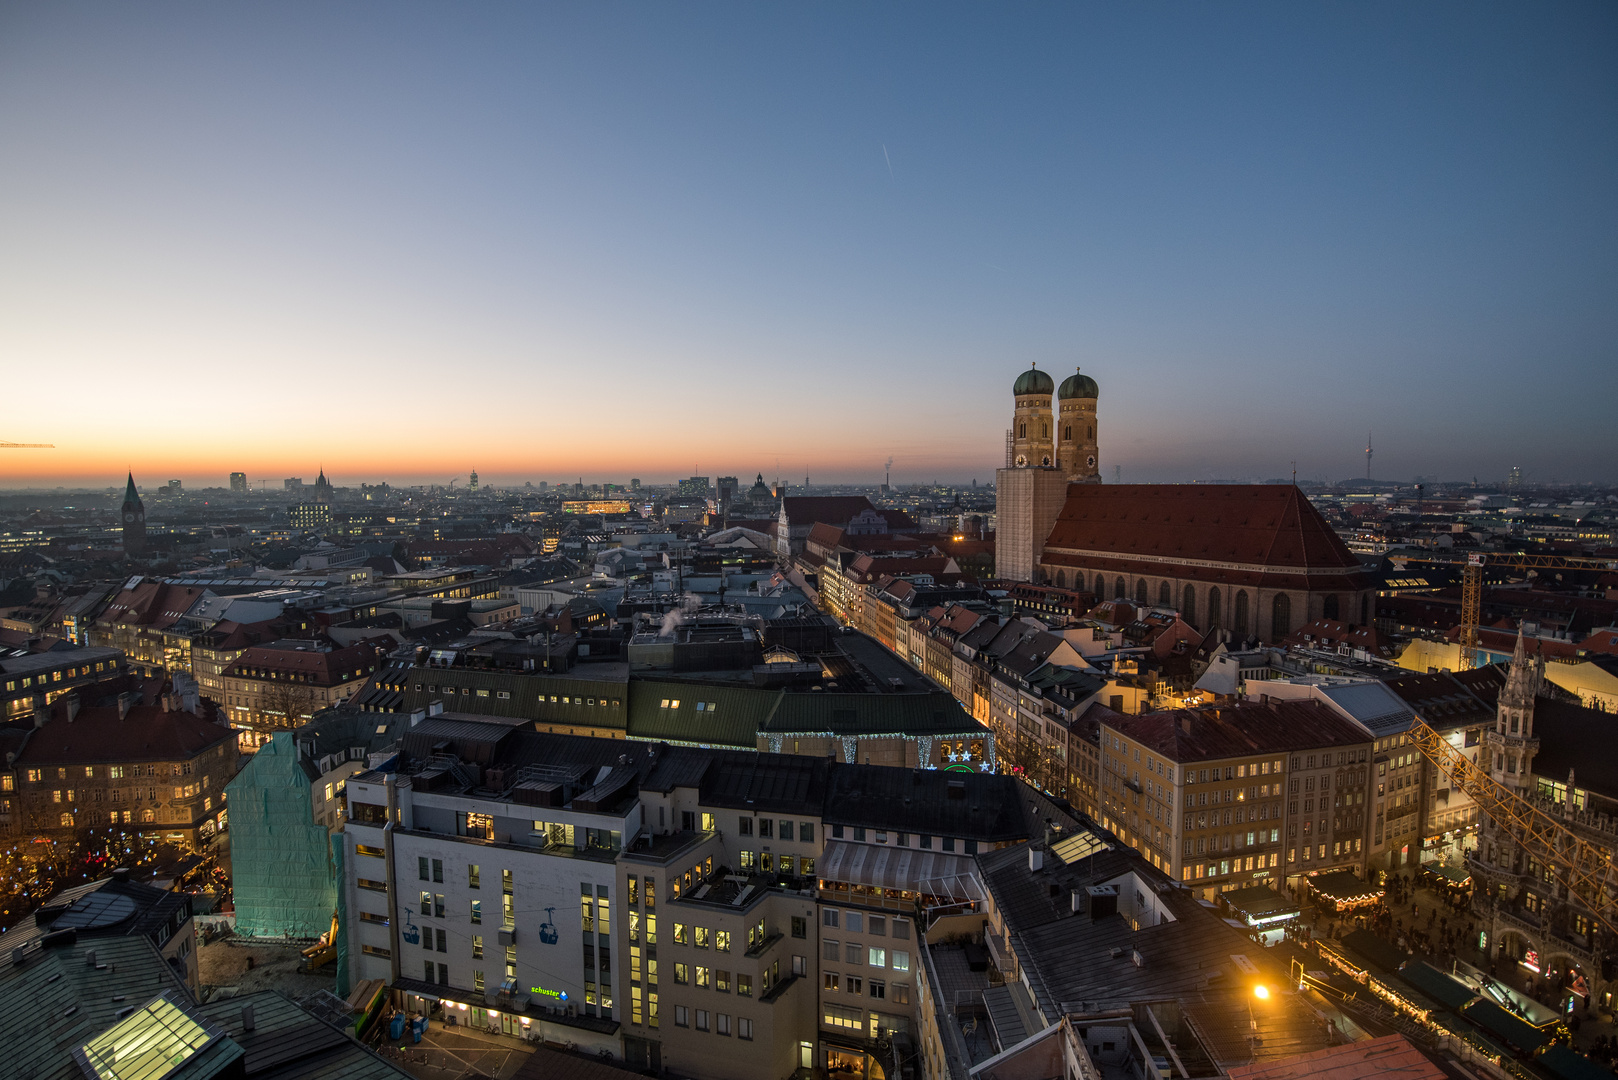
(1367, 455)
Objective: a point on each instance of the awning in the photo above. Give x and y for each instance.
(928, 872)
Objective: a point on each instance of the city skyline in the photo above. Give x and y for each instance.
(616, 242)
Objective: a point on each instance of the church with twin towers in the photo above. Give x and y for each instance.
(1254, 561)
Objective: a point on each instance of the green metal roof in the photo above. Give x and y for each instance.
(1508, 1026)
(935, 713)
(1436, 985)
(704, 714)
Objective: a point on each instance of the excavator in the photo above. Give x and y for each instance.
(324, 950)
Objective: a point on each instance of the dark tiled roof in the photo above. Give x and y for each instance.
(1233, 730)
(981, 806)
(147, 733)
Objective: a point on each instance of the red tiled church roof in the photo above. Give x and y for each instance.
(1271, 528)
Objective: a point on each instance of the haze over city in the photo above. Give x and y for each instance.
(404, 242)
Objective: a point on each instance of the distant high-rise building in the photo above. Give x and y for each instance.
(472, 483)
(634, 485)
(310, 516)
(695, 485)
(293, 483)
(238, 481)
(134, 520)
(1514, 479)
(728, 487)
(175, 487)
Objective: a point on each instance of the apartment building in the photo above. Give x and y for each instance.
(1209, 796)
(674, 906)
(281, 685)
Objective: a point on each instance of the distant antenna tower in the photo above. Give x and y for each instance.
(887, 475)
(1117, 474)
(1367, 455)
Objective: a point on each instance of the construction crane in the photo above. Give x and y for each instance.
(1584, 869)
(27, 446)
(1472, 588)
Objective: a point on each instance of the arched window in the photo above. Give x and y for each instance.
(1067, 433)
(1090, 432)
(1238, 622)
(1142, 596)
(1365, 609)
(1281, 617)
(1188, 605)
(1120, 589)
(1044, 429)
(1213, 607)
(1331, 607)
(1061, 579)
(1165, 598)
(1022, 431)
(67, 820)
(148, 816)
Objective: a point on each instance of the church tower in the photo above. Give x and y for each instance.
(134, 520)
(1077, 450)
(1513, 742)
(322, 487)
(1031, 443)
(1030, 490)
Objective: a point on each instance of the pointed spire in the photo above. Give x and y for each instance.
(130, 494)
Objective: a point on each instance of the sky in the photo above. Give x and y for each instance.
(550, 241)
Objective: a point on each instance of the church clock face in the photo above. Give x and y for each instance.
(129, 517)
(1045, 461)
(1022, 460)
(1090, 461)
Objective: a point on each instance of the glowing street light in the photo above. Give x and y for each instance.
(1261, 992)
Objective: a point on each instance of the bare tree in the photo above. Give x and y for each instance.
(286, 704)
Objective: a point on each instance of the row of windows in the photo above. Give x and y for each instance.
(505, 695)
(744, 827)
(880, 836)
(28, 681)
(859, 922)
(788, 865)
(110, 772)
(833, 982)
(698, 1018)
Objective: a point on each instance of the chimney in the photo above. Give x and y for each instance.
(42, 708)
(247, 1018)
(90, 957)
(1076, 899)
(73, 704)
(125, 701)
(1036, 858)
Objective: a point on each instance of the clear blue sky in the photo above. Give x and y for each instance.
(552, 240)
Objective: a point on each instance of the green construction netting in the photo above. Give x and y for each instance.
(282, 872)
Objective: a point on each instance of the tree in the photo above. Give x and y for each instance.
(286, 704)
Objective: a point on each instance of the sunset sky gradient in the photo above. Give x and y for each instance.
(550, 241)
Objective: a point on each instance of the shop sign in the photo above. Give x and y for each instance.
(559, 995)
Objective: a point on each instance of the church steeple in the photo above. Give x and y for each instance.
(1513, 739)
(134, 519)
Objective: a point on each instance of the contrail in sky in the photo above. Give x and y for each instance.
(888, 160)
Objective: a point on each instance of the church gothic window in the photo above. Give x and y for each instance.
(1164, 597)
(1239, 621)
(1365, 609)
(1188, 605)
(1067, 433)
(1022, 431)
(1281, 617)
(1141, 595)
(1331, 607)
(1213, 608)
(1120, 590)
